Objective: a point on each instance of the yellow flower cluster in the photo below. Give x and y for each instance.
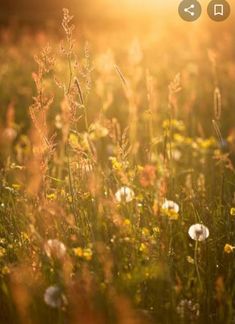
(174, 123)
(116, 165)
(86, 253)
(199, 143)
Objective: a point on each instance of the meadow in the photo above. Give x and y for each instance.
(117, 174)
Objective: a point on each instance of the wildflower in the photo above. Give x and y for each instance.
(126, 222)
(55, 249)
(232, 211)
(73, 140)
(87, 254)
(176, 154)
(206, 143)
(116, 165)
(54, 297)
(143, 248)
(228, 248)
(83, 253)
(98, 131)
(171, 209)
(51, 196)
(24, 237)
(2, 252)
(190, 260)
(174, 123)
(180, 139)
(16, 186)
(78, 251)
(170, 205)
(124, 194)
(198, 232)
(145, 231)
(148, 176)
(156, 230)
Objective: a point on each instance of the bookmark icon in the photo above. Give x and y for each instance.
(218, 10)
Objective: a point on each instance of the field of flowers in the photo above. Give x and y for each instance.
(117, 177)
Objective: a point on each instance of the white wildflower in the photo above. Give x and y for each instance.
(54, 297)
(198, 232)
(170, 205)
(55, 249)
(124, 194)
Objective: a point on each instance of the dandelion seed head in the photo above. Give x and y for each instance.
(198, 232)
(54, 297)
(55, 249)
(124, 194)
(170, 205)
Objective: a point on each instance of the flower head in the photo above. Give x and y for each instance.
(54, 297)
(232, 211)
(171, 209)
(83, 253)
(124, 194)
(198, 232)
(228, 248)
(170, 205)
(55, 249)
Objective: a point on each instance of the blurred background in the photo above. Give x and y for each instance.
(38, 12)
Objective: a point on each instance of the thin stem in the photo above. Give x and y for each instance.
(196, 263)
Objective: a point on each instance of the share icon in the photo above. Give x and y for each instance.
(189, 10)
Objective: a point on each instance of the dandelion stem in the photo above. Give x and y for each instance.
(196, 263)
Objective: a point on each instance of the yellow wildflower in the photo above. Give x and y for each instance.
(73, 140)
(83, 253)
(51, 196)
(115, 164)
(78, 251)
(206, 143)
(145, 231)
(228, 248)
(232, 211)
(87, 254)
(170, 209)
(126, 222)
(2, 251)
(156, 230)
(143, 248)
(190, 259)
(16, 186)
(179, 138)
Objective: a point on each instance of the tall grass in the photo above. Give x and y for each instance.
(100, 188)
